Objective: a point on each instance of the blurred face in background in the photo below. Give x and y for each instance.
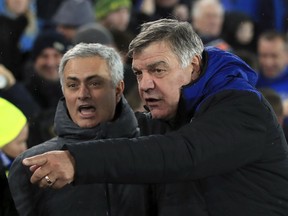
(117, 20)
(272, 55)
(68, 32)
(18, 7)
(47, 63)
(208, 18)
(245, 33)
(18, 145)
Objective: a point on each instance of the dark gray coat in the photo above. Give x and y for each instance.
(92, 199)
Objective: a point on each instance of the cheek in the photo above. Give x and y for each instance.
(106, 104)
(12, 149)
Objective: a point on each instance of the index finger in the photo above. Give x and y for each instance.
(38, 160)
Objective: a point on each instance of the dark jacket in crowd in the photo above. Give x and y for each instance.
(10, 33)
(46, 94)
(7, 206)
(92, 199)
(225, 137)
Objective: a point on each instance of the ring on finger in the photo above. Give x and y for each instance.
(48, 180)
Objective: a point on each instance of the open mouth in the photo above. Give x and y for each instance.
(86, 110)
(151, 100)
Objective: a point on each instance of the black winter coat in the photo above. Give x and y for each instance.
(7, 206)
(92, 199)
(228, 142)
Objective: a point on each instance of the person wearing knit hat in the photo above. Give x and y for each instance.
(49, 39)
(13, 133)
(48, 45)
(43, 83)
(113, 14)
(13, 136)
(71, 15)
(93, 33)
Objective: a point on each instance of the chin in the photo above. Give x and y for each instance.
(87, 124)
(157, 115)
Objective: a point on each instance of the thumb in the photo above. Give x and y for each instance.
(38, 160)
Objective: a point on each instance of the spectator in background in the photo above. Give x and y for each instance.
(43, 82)
(42, 78)
(16, 92)
(13, 133)
(275, 100)
(17, 33)
(207, 20)
(113, 14)
(249, 57)
(13, 136)
(166, 9)
(239, 31)
(267, 14)
(45, 12)
(272, 56)
(15, 8)
(93, 33)
(72, 14)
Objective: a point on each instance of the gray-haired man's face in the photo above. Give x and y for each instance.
(160, 78)
(90, 96)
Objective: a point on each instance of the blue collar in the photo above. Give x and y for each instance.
(221, 71)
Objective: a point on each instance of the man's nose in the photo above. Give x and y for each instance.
(83, 92)
(146, 82)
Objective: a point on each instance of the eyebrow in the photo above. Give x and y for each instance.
(153, 65)
(86, 79)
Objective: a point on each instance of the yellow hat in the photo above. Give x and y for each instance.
(12, 121)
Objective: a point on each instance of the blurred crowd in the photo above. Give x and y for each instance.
(34, 35)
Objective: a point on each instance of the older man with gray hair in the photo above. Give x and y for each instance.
(93, 108)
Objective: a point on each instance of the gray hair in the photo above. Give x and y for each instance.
(180, 36)
(84, 50)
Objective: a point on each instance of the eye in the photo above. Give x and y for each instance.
(158, 72)
(71, 85)
(137, 73)
(95, 83)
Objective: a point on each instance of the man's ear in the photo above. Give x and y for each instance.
(119, 90)
(196, 63)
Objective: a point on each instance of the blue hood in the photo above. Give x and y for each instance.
(222, 71)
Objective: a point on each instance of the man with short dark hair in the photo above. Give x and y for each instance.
(273, 56)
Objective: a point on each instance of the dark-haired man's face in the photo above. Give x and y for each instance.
(46, 64)
(272, 57)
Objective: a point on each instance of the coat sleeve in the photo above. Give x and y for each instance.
(228, 133)
(26, 195)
